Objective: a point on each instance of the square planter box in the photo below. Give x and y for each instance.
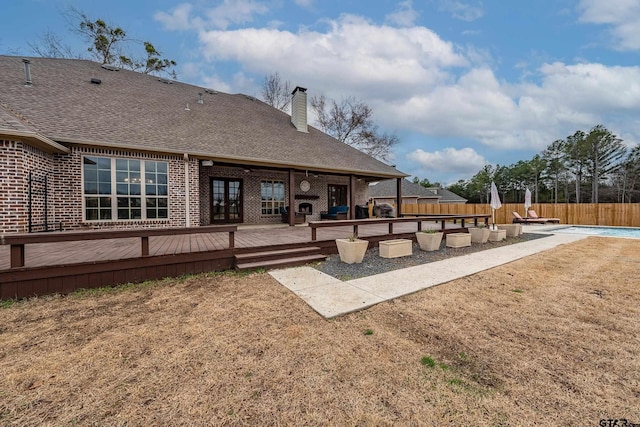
(395, 248)
(512, 230)
(458, 240)
(479, 235)
(497, 235)
(352, 251)
(429, 241)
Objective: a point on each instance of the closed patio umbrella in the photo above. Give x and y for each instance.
(527, 202)
(495, 202)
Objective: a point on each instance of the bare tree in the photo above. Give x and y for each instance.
(351, 122)
(276, 93)
(106, 42)
(51, 45)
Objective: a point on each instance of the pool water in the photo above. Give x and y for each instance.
(629, 232)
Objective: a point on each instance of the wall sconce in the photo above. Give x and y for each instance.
(246, 170)
(206, 162)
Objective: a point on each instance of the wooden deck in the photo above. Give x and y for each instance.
(61, 267)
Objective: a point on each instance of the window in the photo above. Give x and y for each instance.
(139, 189)
(272, 197)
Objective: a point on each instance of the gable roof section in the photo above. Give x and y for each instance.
(387, 189)
(136, 111)
(447, 196)
(12, 128)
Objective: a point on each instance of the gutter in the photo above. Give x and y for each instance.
(35, 139)
(239, 160)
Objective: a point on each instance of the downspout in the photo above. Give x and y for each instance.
(187, 210)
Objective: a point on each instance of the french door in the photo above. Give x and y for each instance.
(337, 195)
(226, 200)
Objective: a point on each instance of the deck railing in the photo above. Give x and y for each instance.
(18, 241)
(408, 217)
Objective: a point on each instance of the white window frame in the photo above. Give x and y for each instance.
(114, 195)
(272, 203)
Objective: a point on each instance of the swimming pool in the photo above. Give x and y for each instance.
(628, 232)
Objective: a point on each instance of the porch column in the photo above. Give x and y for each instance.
(352, 196)
(292, 198)
(399, 197)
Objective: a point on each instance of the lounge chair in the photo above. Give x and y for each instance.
(518, 219)
(534, 215)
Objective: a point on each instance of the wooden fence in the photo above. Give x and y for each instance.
(613, 214)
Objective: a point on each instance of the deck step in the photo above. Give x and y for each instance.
(276, 254)
(280, 263)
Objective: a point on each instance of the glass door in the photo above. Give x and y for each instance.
(226, 200)
(337, 195)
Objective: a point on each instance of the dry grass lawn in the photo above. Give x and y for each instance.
(553, 339)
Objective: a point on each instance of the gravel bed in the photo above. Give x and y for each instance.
(373, 263)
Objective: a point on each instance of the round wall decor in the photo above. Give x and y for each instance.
(304, 185)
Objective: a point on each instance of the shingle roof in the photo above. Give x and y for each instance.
(387, 189)
(138, 111)
(447, 196)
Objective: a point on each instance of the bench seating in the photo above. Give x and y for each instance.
(335, 212)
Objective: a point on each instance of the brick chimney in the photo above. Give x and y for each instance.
(299, 109)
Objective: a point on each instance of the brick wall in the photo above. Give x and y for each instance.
(64, 174)
(17, 160)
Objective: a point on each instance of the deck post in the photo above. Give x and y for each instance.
(313, 233)
(462, 223)
(292, 198)
(232, 239)
(399, 197)
(17, 256)
(144, 240)
(390, 228)
(419, 225)
(355, 229)
(353, 182)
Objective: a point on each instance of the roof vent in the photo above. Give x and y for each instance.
(200, 98)
(251, 98)
(110, 67)
(27, 72)
(211, 91)
(165, 81)
(95, 81)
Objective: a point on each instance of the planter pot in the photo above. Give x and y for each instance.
(429, 241)
(479, 235)
(352, 252)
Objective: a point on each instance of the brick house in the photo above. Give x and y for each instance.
(85, 145)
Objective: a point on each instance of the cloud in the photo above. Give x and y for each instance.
(462, 10)
(450, 160)
(404, 16)
(622, 16)
(178, 19)
(417, 82)
(222, 16)
(353, 54)
(307, 4)
(235, 12)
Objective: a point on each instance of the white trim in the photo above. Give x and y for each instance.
(114, 194)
